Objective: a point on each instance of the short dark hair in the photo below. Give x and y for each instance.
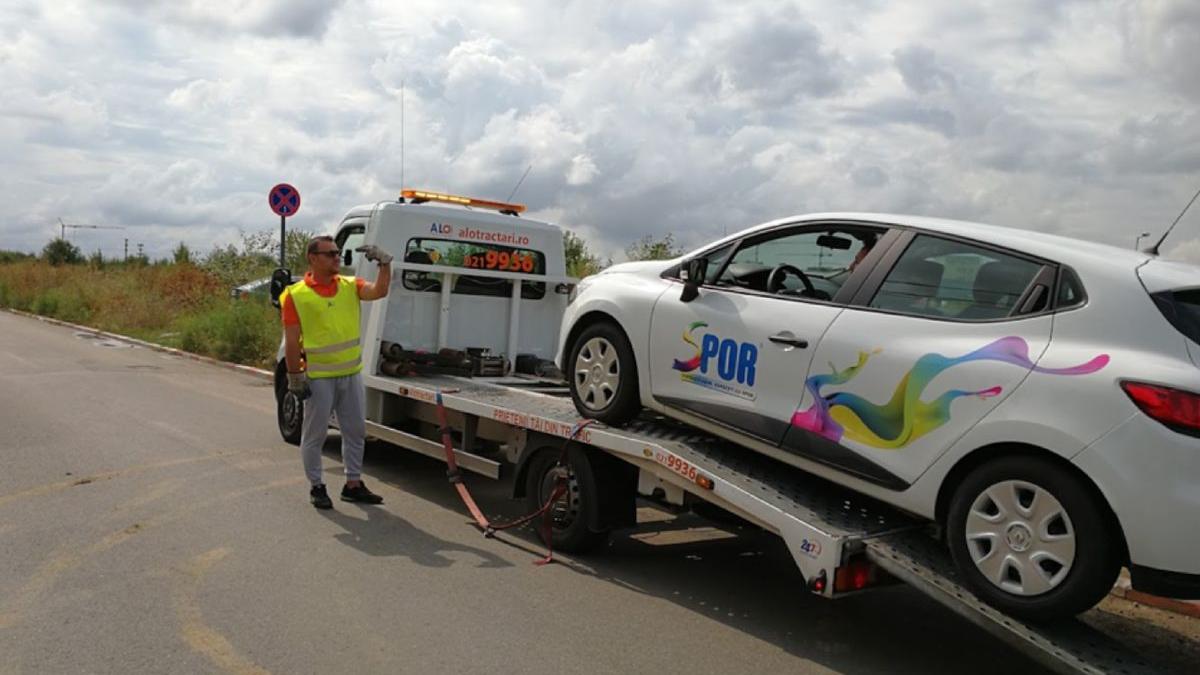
(316, 242)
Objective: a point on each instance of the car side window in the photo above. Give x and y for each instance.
(1070, 290)
(716, 260)
(944, 278)
(826, 255)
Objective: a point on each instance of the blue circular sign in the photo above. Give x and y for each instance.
(284, 200)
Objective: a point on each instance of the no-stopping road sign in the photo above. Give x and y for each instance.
(284, 200)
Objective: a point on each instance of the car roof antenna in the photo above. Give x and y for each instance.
(1153, 250)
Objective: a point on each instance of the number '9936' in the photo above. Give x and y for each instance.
(677, 465)
(501, 260)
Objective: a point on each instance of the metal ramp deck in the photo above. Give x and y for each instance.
(794, 504)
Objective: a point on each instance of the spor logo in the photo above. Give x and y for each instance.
(734, 361)
(731, 362)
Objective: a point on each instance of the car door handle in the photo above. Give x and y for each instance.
(786, 338)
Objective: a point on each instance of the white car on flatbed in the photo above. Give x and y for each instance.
(1034, 395)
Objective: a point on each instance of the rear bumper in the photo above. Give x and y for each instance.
(1165, 583)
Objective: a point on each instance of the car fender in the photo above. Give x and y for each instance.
(628, 299)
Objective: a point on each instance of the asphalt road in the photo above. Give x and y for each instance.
(151, 520)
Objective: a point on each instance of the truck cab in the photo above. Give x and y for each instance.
(470, 276)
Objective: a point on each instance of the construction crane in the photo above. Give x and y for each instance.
(64, 226)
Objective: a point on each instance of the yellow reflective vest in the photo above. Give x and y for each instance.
(329, 328)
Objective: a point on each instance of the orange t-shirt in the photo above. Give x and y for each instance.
(288, 310)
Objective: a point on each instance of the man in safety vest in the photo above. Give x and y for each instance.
(321, 313)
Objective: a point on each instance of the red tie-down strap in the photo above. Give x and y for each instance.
(454, 475)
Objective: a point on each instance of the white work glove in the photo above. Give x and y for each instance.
(298, 385)
(376, 254)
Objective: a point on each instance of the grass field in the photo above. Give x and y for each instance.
(178, 305)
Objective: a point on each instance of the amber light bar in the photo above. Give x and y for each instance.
(426, 196)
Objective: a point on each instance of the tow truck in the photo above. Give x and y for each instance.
(469, 331)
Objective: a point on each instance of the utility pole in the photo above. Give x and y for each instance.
(126, 249)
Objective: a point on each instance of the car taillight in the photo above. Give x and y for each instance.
(1178, 409)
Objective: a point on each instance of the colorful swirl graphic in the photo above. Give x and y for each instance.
(905, 418)
(694, 362)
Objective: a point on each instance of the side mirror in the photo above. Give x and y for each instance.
(693, 273)
(280, 279)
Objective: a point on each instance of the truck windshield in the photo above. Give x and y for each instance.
(451, 253)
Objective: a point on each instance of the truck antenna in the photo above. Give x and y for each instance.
(402, 186)
(1153, 250)
(518, 185)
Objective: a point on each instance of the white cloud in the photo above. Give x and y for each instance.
(174, 118)
(582, 170)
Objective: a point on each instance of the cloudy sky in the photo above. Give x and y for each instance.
(173, 119)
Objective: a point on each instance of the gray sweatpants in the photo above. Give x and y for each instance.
(343, 396)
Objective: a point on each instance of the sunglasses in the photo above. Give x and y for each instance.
(332, 254)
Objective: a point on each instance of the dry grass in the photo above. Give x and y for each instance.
(178, 305)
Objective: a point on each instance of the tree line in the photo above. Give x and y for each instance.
(258, 254)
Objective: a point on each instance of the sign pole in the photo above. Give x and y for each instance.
(284, 201)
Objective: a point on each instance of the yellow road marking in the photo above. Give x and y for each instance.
(26, 596)
(155, 492)
(198, 634)
(216, 393)
(109, 475)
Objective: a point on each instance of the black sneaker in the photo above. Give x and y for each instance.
(360, 494)
(319, 497)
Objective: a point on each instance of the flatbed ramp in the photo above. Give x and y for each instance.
(1066, 647)
(822, 523)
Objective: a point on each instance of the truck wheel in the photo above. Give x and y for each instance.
(571, 513)
(604, 379)
(289, 410)
(1031, 539)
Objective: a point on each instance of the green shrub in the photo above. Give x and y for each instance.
(240, 332)
(61, 304)
(62, 252)
(45, 304)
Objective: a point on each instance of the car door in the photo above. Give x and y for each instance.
(737, 353)
(939, 335)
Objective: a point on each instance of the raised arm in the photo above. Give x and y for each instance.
(378, 288)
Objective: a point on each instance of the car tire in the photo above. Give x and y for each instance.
(570, 529)
(289, 412)
(603, 375)
(1032, 539)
